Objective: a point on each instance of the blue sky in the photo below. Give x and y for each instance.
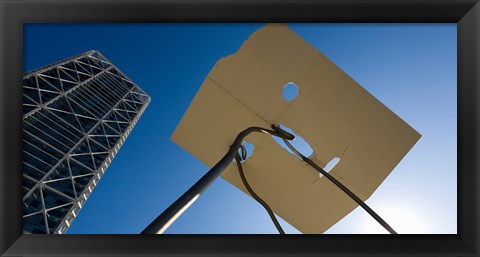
(411, 68)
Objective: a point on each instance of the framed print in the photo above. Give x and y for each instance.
(22, 22)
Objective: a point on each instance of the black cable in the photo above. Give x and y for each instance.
(343, 188)
(254, 195)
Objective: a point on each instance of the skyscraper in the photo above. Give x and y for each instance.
(77, 113)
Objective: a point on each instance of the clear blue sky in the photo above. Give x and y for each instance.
(410, 68)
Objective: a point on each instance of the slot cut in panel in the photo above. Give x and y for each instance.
(330, 165)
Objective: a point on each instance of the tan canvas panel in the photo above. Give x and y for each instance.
(332, 112)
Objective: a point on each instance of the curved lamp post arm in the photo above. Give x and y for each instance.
(167, 217)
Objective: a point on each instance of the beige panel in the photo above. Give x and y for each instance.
(334, 114)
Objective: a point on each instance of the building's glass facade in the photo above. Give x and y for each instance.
(76, 114)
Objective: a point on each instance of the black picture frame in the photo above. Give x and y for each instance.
(466, 13)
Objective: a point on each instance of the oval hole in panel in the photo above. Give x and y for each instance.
(298, 143)
(249, 147)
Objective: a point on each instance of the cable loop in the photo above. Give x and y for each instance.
(252, 193)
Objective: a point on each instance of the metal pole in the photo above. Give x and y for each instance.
(167, 217)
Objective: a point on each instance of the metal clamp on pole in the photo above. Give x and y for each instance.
(166, 218)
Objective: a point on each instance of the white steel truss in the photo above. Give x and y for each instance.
(77, 113)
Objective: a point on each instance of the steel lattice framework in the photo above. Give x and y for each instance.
(77, 113)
